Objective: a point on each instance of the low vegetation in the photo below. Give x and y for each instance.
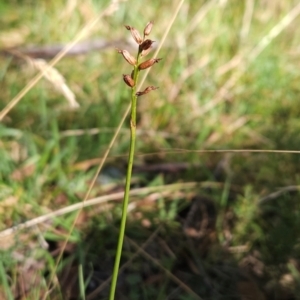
(214, 204)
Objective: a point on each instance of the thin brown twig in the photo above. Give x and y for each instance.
(92, 131)
(274, 195)
(176, 150)
(50, 51)
(169, 274)
(95, 161)
(103, 199)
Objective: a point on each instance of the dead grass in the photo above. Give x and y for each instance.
(229, 80)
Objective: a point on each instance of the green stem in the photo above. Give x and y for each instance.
(127, 185)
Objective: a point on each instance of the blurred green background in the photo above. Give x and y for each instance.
(229, 79)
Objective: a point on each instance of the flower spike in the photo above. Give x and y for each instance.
(129, 58)
(147, 90)
(128, 80)
(148, 28)
(149, 63)
(135, 34)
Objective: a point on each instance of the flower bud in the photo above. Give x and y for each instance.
(148, 28)
(130, 59)
(146, 52)
(145, 45)
(147, 90)
(135, 34)
(128, 80)
(149, 63)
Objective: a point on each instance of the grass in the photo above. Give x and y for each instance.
(228, 80)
